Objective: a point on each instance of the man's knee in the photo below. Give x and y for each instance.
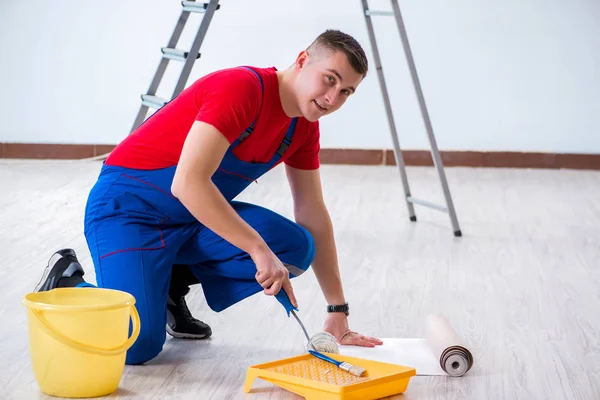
(147, 346)
(292, 243)
(304, 251)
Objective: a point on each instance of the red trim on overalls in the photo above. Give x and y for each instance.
(236, 174)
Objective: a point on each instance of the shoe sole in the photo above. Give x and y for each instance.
(44, 278)
(179, 335)
(68, 272)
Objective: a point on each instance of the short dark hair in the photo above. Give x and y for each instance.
(335, 40)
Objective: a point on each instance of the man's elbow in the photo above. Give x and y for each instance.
(176, 189)
(178, 185)
(184, 182)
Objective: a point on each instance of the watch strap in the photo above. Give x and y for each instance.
(335, 308)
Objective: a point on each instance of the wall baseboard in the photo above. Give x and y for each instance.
(490, 159)
(53, 151)
(487, 159)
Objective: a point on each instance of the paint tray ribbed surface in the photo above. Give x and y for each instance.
(315, 379)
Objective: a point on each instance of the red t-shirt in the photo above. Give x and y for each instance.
(230, 100)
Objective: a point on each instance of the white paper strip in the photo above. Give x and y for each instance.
(441, 352)
(414, 353)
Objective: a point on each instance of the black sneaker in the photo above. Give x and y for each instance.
(180, 322)
(63, 270)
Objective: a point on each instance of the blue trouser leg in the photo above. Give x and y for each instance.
(135, 254)
(227, 273)
(133, 243)
(85, 284)
(136, 231)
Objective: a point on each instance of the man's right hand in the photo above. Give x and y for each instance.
(272, 275)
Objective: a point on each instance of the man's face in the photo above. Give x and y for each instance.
(324, 83)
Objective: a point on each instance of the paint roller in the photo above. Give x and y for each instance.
(322, 341)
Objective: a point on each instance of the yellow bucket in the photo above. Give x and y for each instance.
(78, 339)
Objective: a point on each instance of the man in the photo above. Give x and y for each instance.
(162, 214)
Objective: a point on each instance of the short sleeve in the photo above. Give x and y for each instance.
(307, 156)
(229, 100)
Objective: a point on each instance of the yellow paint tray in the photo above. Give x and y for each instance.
(315, 379)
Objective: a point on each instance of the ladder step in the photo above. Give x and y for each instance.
(153, 101)
(193, 6)
(176, 54)
(414, 200)
(369, 12)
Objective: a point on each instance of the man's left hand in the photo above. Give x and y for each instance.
(337, 325)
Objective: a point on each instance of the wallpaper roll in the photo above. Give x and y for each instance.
(455, 359)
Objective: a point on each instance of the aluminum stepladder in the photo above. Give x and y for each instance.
(410, 200)
(170, 52)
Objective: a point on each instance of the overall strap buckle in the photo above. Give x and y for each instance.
(284, 146)
(287, 140)
(246, 133)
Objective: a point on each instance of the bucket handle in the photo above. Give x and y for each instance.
(135, 319)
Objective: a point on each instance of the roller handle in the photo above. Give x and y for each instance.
(284, 299)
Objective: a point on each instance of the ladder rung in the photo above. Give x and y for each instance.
(176, 54)
(413, 200)
(193, 6)
(153, 101)
(369, 12)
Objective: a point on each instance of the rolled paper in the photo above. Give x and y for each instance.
(455, 358)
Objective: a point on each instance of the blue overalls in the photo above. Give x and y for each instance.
(136, 230)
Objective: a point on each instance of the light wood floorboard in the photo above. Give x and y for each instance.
(522, 286)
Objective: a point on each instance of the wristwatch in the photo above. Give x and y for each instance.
(339, 308)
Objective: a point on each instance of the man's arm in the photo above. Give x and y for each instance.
(311, 212)
(201, 155)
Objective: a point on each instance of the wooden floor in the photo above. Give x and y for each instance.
(522, 286)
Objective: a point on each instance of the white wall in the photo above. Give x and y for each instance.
(508, 75)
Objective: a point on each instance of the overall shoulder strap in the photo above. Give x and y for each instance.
(285, 143)
(250, 129)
